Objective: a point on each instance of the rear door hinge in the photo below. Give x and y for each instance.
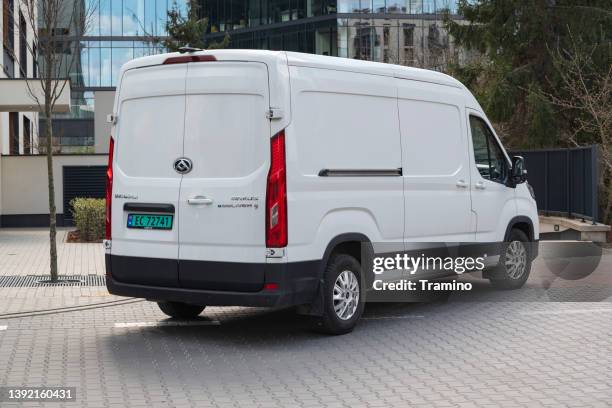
(112, 119)
(274, 114)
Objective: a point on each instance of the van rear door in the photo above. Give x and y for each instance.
(149, 138)
(222, 199)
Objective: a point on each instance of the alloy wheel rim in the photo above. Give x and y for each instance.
(516, 259)
(346, 295)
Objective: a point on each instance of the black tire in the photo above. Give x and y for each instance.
(180, 310)
(504, 278)
(330, 322)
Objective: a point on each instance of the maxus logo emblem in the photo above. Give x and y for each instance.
(183, 165)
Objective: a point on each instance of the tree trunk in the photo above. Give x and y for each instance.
(52, 215)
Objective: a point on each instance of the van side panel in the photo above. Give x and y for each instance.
(436, 164)
(342, 121)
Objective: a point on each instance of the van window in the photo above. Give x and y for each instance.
(488, 155)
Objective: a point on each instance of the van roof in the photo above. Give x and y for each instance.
(277, 58)
(377, 68)
(311, 60)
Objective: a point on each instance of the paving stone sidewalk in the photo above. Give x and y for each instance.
(25, 251)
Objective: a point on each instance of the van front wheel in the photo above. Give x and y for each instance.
(515, 262)
(342, 292)
(180, 310)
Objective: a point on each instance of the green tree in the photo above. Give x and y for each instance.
(514, 39)
(189, 30)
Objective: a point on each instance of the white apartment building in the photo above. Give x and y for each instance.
(18, 129)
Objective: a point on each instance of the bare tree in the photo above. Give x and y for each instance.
(56, 27)
(586, 93)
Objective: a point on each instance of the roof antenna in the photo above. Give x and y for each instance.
(188, 48)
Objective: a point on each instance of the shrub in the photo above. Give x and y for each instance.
(89, 216)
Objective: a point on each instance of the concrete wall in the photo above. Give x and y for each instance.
(103, 101)
(23, 95)
(23, 182)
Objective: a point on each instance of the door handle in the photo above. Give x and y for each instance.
(200, 200)
(462, 184)
(480, 185)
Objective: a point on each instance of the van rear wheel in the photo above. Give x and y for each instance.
(179, 310)
(342, 296)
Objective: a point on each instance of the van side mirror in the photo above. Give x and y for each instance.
(519, 171)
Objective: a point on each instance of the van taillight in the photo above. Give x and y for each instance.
(276, 194)
(109, 187)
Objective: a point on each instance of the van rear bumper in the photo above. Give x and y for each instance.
(297, 284)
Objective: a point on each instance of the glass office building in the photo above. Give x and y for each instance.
(118, 31)
(407, 32)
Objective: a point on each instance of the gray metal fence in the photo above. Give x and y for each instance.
(564, 180)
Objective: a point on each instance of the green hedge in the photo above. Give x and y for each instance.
(89, 216)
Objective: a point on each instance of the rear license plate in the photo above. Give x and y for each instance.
(149, 221)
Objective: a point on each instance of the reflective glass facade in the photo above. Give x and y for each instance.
(407, 32)
(229, 15)
(397, 6)
(410, 41)
(118, 31)
(124, 18)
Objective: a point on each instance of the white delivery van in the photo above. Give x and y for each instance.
(244, 177)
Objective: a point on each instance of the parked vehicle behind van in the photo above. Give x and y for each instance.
(253, 178)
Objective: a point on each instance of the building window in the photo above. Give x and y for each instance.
(34, 61)
(27, 136)
(23, 46)
(9, 24)
(408, 33)
(13, 133)
(8, 36)
(386, 42)
(409, 36)
(366, 43)
(386, 35)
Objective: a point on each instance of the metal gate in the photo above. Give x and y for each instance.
(564, 180)
(82, 181)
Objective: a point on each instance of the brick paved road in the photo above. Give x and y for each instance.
(445, 354)
(483, 348)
